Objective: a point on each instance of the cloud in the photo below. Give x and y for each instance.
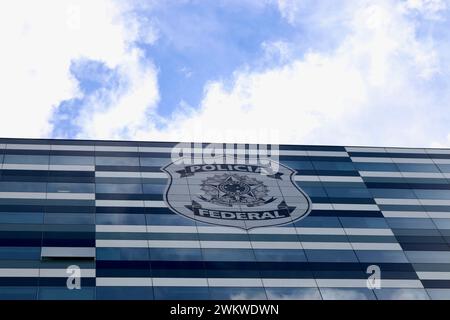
(41, 40)
(376, 87)
(372, 73)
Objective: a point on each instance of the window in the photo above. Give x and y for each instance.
(293, 294)
(233, 293)
(154, 188)
(128, 254)
(168, 219)
(228, 255)
(26, 159)
(181, 293)
(71, 187)
(347, 294)
(417, 167)
(175, 254)
(133, 188)
(348, 192)
(154, 162)
(117, 161)
(120, 219)
(333, 165)
(274, 255)
(367, 166)
(124, 293)
(68, 218)
(21, 217)
(71, 160)
(22, 186)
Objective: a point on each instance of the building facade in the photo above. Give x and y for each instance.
(114, 220)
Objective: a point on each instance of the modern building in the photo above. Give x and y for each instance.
(125, 220)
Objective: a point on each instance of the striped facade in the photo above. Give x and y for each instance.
(99, 205)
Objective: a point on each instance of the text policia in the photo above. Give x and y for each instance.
(265, 155)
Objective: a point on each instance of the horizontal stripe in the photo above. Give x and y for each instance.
(253, 282)
(362, 283)
(123, 282)
(433, 275)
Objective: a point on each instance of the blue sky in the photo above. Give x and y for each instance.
(342, 72)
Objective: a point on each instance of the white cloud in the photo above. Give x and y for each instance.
(40, 40)
(370, 90)
(375, 87)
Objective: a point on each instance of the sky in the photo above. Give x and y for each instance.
(356, 72)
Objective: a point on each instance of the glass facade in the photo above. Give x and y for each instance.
(99, 206)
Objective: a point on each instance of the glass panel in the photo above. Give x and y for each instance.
(124, 293)
(347, 294)
(26, 159)
(293, 294)
(22, 186)
(154, 162)
(117, 161)
(181, 293)
(118, 188)
(234, 293)
(71, 160)
(71, 187)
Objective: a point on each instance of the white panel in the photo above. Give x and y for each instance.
(117, 174)
(358, 207)
(384, 174)
(406, 150)
(123, 282)
(70, 196)
(72, 147)
(19, 272)
(11, 166)
(171, 229)
(121, 243)
(327, 153)
(68, 252)
(322, 206)
(119, 203)
(180, 282)
(22, 195)
(276, 245)
(173, 244)
(370, 159)
(411, 160)
(299, 177)
(397, 201)
(64, 167)
(116, 148)
(340, 179)
(423, 175)
(368, 232)
(362, 283)
(431, 202)
(62, 273)
(375, 246)
(239, 282)
(404, 214)
(28, 146)
(433, 275)
(225, 244)
(326, 245)
(289, 283)
(327, 231)
(154, 204)
(154, 175)
(120, 228)
(365, 149)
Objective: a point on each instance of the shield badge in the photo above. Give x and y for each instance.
(235, 195)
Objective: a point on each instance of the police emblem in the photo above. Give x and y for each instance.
(236, 195)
